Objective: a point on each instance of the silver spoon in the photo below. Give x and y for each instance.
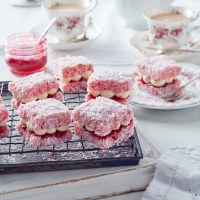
(46, 29)
(179, 92)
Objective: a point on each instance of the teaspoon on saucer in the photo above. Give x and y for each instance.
(49, 25)
(93, 32)
(177, 94)
(161, 51)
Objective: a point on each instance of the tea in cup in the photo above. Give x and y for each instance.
(70, 16)
(169, 27)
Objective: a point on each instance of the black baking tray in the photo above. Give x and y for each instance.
(17, 157)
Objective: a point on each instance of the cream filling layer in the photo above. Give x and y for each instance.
(4, 122)
(157, 83)
(109, 93)
(77, 77)
(50, 131)
(40, 96)
(45, 131)
(89, 128)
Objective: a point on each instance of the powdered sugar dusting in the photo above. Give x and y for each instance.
(102, 114)
(30, 80)
(106, 75)
(32, 85)
(160, 62)
(70, 61)
(158, 67)
(45, 114)
(116, 81)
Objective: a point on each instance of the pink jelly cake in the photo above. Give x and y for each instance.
(158, 75)
(34, 87)
(73, 73)
(116, 85)
(4, 114)
(44, 122)
(103, 122)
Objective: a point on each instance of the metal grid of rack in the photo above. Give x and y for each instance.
(17, 156)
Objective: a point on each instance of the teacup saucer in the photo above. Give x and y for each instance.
(141, 43)
(57, 44)
(25, 3)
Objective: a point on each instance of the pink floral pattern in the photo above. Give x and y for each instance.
(176, 32)
(161, 32)
(73, 21)
(67, 22)
(59, 24)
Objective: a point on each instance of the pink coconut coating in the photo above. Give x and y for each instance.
(75, 86)
(58, 96)
(116, 81)
(47, 140)
(158, 67)
(16, 103)
(0, 99)
(126, 101)
(102, 114)
(3, 112)
(45, 114)
(158, 91)
(70, 66)
(105, 143)
(32, 85)
(4, 131)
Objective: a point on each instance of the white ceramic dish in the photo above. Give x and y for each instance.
(141, 43)
(190, 99)
(57, 44)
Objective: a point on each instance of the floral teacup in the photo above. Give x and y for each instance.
(70, 16)
(169, 33)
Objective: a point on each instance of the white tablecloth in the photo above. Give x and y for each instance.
(177, 175)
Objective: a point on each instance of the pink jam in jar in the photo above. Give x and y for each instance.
(24, 54)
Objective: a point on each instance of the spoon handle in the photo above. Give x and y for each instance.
(160, 51)
(46, 29)
(194, 79)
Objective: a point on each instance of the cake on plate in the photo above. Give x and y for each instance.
(158, 75)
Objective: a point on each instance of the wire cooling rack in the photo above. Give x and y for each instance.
(16, 156)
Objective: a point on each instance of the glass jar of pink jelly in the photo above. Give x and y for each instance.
(24, 55)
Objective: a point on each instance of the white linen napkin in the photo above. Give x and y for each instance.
(177, 176)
